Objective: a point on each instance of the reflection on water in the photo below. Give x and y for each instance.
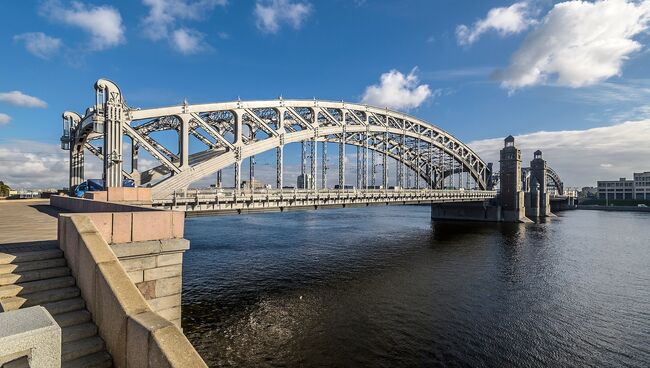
(386, 287)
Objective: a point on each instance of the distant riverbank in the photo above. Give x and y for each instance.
(614, 208)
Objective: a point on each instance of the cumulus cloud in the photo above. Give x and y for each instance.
(4, 118)
(271, 14)
(103, 22)
(18, 98)
(39, 44)
(578, 43)
(161, 23)
(505, 21)
(188, 41)
(398, 91)
(581, 157)
(32, 164)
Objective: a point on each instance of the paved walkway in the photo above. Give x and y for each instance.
(27, 223)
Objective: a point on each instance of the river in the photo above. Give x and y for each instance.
(387, 287)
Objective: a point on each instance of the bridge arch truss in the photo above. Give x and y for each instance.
(234, 131)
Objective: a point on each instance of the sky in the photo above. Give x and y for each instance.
(570, 78)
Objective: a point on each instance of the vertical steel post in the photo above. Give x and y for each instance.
(364, 163)
(279, 167)
(373, 167)
(303, 159)
(358, 167)
(417, 163)
(313, 163)
(237, 175)
(324, 166)
(342, 159)
(384, 172)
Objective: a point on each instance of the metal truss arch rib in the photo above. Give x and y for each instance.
(318, 123)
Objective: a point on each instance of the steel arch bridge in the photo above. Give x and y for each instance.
(234, 131)
(551, 177)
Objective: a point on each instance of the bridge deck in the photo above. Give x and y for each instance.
(230, 201)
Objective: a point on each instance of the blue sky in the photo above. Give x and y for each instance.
(479, 69)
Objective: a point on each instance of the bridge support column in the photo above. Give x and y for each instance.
(342, 159)
(237, 176)
(538, 179)
(532, 202)
(279, 167)
(384, 163)
(511, 197)
(314, 161)
(184, 142)
(110, 109)
(324, 166)
(76, 166)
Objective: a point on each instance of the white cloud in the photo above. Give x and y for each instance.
(270, 14)
(18, 98)
(39, 44)
(581, 157)
(579, 43)
(4, 118)
(103, 22)
(188, 41)
(32, 164)
(505, 21)
(398, 91)
(161, 22)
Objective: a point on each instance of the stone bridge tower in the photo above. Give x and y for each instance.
(511, 196)
(538, 179)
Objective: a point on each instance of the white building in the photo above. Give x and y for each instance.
(638, 188)
(642, 185)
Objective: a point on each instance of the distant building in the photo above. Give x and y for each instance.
(642, 185)
(637, 188)
(616, 189)
(305, 182)
(588, 192)
(253, 184)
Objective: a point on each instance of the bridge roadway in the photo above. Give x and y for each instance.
(228, 201)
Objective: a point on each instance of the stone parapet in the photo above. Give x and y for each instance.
(135, 334)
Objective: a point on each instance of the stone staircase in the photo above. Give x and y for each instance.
(39, 275)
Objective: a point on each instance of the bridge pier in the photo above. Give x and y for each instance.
(539, 187)
(509, 204)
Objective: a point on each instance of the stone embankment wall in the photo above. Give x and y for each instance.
(128, 262)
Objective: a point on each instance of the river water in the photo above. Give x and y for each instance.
(387, 287)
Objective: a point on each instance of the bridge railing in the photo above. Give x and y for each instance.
(324, 196)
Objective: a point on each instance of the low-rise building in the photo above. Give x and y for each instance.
(637, 188)
(642, 185)
(616, 189)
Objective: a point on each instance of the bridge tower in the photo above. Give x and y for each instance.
(511, 197)
(538, 179)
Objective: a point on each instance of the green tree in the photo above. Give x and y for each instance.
(4, 189)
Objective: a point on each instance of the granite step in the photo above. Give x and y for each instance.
(96, 360)
(78, 332)
(31, 287)
(34, 275)
(30, 256)
(81, 348)
(65, 306)
(73, 318)
(30, 266)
